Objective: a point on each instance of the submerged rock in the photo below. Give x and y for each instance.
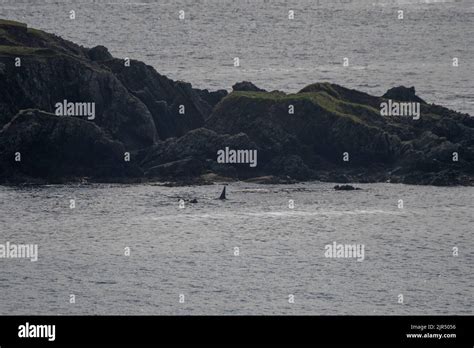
(345, 188)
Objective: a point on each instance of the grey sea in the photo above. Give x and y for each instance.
(191, 251)
(409, 251)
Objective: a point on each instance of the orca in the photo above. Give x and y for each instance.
(223, 194)
(194, 200)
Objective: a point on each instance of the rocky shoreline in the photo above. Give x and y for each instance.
(149, 128)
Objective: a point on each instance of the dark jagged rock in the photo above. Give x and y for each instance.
(402, 93)
(331, 120)
(188, 167)
(99, 53)
(290, 166)
(222, 169)
(194, 154)
(211, 97)
(246, 86)
(56, 148)
(173, 131)
(163, 98)
(65, 74)
(134, 104)
(320, 131)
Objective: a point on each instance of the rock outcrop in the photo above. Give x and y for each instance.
(327, 132)
(246, 86)
(195, 154)
(38, 145)
(149, 127)
(134, 104)
(402, 93)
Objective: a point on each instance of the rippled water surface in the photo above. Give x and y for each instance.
(275, 52)
(190, 251)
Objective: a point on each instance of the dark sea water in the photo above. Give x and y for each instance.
(275, 52)
(190, 251)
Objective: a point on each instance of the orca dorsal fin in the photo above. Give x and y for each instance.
(223, 194)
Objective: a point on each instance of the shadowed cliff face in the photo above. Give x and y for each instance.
(163, 98)
(41, 83)
(37, 144)
(134, 104)
(174, 132)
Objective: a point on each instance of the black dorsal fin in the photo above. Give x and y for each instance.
(223, 194)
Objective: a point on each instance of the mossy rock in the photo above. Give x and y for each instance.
(9, 23)
(25, 51)
(323, 99)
